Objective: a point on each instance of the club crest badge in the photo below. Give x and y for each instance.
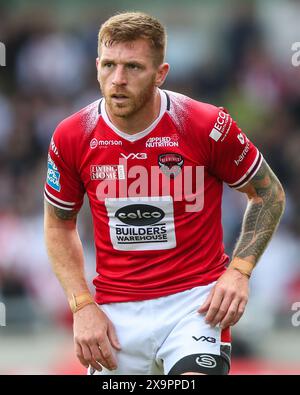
(170, 164)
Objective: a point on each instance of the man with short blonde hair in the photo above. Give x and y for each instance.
(131, 26)
(166, 292)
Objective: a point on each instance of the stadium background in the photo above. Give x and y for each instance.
(231, 53)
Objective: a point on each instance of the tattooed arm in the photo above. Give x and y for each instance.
(266, 200)
(265, 207)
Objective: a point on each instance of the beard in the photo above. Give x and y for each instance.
(133, 102)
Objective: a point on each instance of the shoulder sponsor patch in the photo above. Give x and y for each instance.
(53, 175)
(221, 126)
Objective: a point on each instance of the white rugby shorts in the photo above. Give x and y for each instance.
(156, 334)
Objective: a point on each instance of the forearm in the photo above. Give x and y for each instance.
(265, 207)
(65, 252)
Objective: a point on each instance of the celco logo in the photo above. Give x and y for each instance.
(140, 214)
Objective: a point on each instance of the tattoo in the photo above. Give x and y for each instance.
(65, 215)
(262, 215)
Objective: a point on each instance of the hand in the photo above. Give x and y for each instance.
(94, 337)
(227, 300)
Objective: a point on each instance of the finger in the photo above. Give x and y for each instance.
(240, 312)
(222, 310)
(204, 307)
(97, 355)
(107, 354)
(79, 355)
(88, 357)
(231, 313)
(214, 306)
(112, 336)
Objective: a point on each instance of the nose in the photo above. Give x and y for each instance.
(119, 77)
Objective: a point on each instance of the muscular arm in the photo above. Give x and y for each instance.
(227, 301)
(92, 328)
(65, 249)
(266, 201)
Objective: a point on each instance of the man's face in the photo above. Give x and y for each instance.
(128, 75)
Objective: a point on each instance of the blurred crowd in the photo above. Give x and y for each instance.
(50, 73)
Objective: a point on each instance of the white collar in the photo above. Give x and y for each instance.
(143, 133)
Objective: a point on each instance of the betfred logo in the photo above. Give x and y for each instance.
(220, 125)
(140, 214)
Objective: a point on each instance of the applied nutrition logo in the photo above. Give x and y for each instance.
(2, 54)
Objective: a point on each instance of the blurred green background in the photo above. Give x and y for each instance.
(231, 53)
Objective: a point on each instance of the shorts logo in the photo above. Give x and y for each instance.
(206, 361)
(205, 339)
(140, 215)
(107, 172)
(53, 175)
(170, 164)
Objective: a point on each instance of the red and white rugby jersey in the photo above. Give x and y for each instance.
(155, 196)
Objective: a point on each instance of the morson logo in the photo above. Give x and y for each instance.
(140, 214)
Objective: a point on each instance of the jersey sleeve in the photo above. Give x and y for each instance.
(234, 158)
(63, 187)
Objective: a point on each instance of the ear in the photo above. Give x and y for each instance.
(97, 62)
(161, 74)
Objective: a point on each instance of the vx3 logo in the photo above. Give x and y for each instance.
(205, 339)
(141, 155)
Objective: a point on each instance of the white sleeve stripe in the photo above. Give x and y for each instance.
(55, 204)
(248, 171)
(252, 175)
(59, 200)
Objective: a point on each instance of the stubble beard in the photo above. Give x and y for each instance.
(133, 105)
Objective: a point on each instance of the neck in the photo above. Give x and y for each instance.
(140, 120)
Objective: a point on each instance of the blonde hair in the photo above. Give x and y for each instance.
(130, 26)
